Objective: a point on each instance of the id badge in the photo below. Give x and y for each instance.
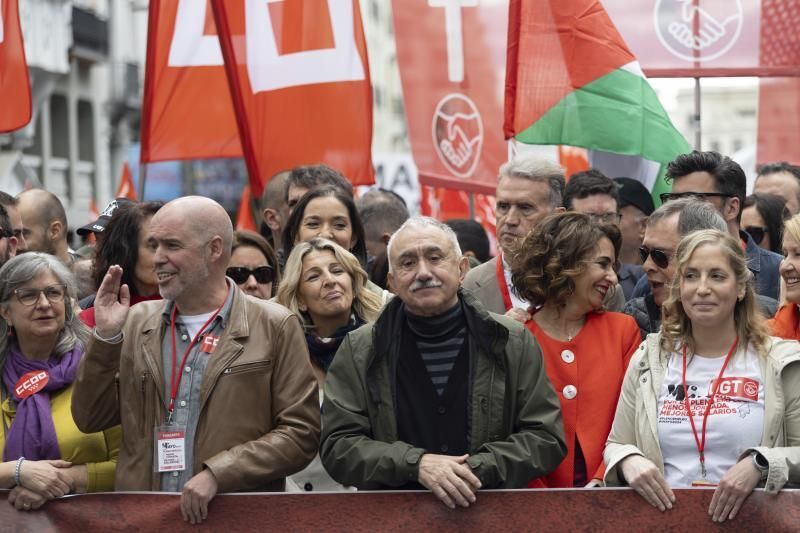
(170, 449)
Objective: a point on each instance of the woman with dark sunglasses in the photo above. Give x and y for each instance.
(762, 218)
(253, 265)
(325, 285)
(564, 268)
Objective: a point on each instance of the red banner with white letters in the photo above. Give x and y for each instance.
(451, 55)
(187, 111)
(15, 88)
(299, 77)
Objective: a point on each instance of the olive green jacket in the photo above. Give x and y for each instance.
(515, 429)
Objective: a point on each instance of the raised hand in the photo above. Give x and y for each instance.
(112, 303)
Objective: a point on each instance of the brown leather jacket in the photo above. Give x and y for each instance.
(259, 419)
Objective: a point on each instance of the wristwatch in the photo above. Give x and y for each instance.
(760, 463)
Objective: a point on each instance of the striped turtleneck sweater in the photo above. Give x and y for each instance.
(439, 340)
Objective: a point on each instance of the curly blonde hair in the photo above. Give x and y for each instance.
(676, 327)
(366, 303)
(553, 254)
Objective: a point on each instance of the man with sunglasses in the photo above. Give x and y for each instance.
(719, 180)
(666, 226)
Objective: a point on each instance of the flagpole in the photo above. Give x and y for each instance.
(142, 179)
(698, 131)
(472, 206)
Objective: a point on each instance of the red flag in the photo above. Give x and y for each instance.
(126, 188)
(300, 83)
(15, 88)
(244, 219)
(779, 98)
(450, 54)
(187, 111)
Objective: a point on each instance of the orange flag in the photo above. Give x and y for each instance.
(244, 219)
(15, 88)
(299, 79)
(126, 189)
(187, 111)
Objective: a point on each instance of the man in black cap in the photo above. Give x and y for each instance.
(98, 226)
(82, 268)
(635, 205)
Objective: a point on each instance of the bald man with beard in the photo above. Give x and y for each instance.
(240, 407)
(44, 224)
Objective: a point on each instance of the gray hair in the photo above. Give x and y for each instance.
(381, 211)
(420, 222)
(668, 209)
(535, 168)
(699, 215)
(22, 269)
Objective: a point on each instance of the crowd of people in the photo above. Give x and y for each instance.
(349, 346)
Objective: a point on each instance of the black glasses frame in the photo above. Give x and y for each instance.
(667, 196)
(660, 257)
(263, 274)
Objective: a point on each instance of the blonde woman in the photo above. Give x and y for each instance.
(786, 323)
(714, 359)
(326, 286)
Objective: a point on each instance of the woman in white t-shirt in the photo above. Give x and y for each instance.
(714, 357)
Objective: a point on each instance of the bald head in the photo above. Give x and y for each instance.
(275, 212)
(44, 221)
(203, 219)
(192, 239)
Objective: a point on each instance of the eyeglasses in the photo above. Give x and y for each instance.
(756, 232)
(660, 257)
(702, 196)
(606, 218)
(53, 293)
(263, 274)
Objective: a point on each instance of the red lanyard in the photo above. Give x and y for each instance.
(175, 381)
(501, 281)
(701, 442)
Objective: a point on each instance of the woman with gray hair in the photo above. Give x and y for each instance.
(41, 342)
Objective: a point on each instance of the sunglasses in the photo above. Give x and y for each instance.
(263, 274)
(756, 232)
(660, 257)
(667, 196)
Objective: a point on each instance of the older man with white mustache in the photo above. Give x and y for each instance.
(438, 393)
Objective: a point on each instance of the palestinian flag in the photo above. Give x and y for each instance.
(571, 80)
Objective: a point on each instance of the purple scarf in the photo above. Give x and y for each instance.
(32, 433)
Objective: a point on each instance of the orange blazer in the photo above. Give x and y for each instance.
(587, 374)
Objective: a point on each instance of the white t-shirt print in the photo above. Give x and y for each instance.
(735, 421)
